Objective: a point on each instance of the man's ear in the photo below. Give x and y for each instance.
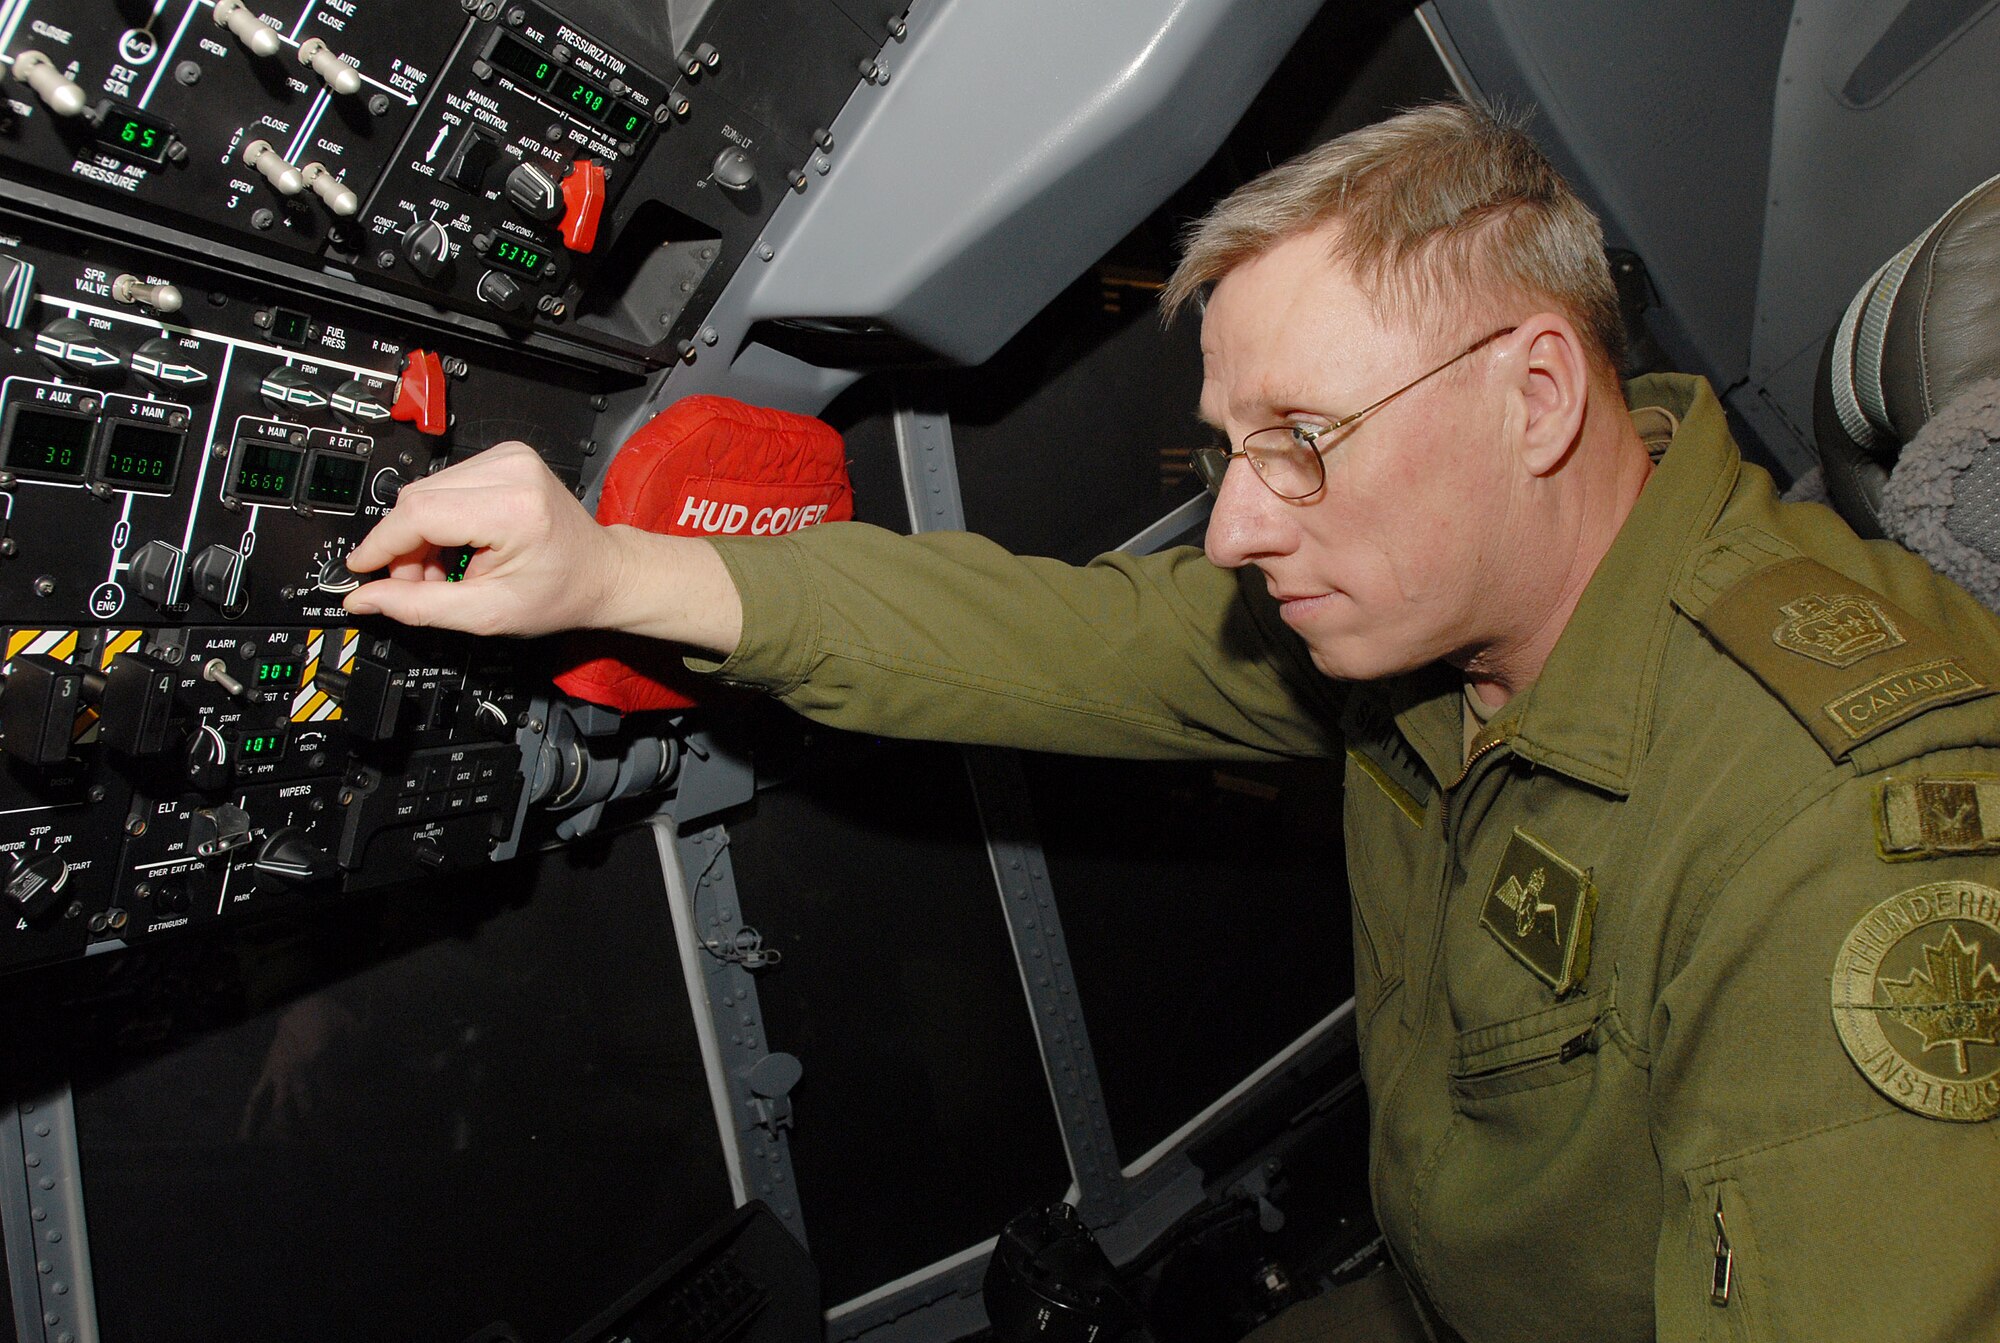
(1552, 378)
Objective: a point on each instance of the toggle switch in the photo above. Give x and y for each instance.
(281, 174)
(161, 298)
(58, 91)
(259, 37)
(420, 393)
(337, 196)
(583, 204)
(333, 72)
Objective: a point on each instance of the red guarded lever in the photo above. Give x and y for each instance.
(583, 203)
(420, 394)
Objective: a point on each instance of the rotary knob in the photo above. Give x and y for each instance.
(427, 248)
(35, 885)
(534, 193)
(358, 402)
(286, 388)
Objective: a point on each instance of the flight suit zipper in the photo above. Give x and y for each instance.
(1567, 1052)
(1444, 811)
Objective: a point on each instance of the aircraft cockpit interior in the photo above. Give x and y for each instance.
(362, 981)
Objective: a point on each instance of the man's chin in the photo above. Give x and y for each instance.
(1346, 662)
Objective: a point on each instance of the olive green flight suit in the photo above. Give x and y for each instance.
(1658, 1039)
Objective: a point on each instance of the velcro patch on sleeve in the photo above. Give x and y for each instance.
(1937, 816)
(1849, 663)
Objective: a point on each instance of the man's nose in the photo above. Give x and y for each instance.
(1242, 527)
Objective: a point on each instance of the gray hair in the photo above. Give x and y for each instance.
(1443, 212)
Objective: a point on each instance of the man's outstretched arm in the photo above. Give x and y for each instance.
(542, 565)
(945, 636)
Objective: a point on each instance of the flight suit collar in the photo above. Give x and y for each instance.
(1589, 713)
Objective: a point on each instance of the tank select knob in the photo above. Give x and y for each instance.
(35, 885)
(734, 169)
(38, 708)
(420, 393)
(161, 298)
(534, 193)
(333, 72)
(338, 197)
(135, 701)
(288, 854)
(334, 576)
(259, 37)
(583, 204)
(502, 291)
(71, 344)
(427, 248)
(62, 95)
(283, 175)
(153, 570)
(162, 361)
(358, 402)
(285, 388)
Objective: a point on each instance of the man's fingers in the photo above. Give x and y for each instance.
(449, 605)
(420, 522)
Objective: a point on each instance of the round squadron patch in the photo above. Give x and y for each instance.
(1916, 999)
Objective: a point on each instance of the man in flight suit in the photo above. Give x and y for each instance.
(1672, 809)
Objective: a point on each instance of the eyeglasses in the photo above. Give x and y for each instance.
(1290, 458)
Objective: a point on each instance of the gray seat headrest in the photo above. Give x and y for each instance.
(1924, 327)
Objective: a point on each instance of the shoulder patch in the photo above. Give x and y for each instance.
(1849, 663)
(1916, 999)
(1937, 816)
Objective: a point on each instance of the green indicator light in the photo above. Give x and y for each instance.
(133, 133)
(513, 256)
(265, 470)
(47, 444)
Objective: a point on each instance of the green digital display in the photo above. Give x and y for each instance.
(335, 480)
(517, 58)
(265, 470)
(133, 134)
(46, 443)
(278, 674)
(260, 746)
(628, 122)
(290, 327)
(140, 455)
(585, 97)
(511, 255)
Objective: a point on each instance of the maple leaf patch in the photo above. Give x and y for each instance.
(1953, 1001)
(1916, 999)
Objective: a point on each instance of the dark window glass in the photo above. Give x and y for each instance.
(923, 1120)
(1206, 913)
(410, 1118)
